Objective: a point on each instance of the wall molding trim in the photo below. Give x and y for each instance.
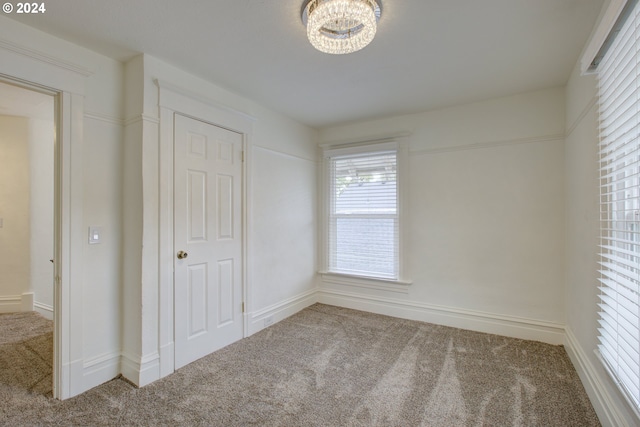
(510, 326)
(281, 310)
(45, 310)
(398, 286)
(16, 303)
(490, 144)
(599, 395)
(104, 118)
(100, 369)
(167, 359)
(43, 306)
(592, 102)
(27, 301)
(42, 57)
(162, 84)
(141, 118)
(74, 369)
(129, 367)
(282, 154)
(11, 304)
(366, 140)
(141, 370)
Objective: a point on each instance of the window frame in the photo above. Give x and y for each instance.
(400, 146)
(619, 163)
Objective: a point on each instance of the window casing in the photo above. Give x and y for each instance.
(363, 211)
(619, 156)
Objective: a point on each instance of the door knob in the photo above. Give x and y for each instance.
(182, 255)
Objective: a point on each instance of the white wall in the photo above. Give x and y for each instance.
(41, 166)
(96, 305)
(284, 227)
(26, 206)
(102, 161)
(117, 303)
(283, 246)
(582, 230)
(486, 216)
(14, 210)
(282, 186)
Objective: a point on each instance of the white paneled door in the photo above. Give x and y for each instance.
(208, 238)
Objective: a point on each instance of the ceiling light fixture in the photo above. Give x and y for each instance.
(340, 26)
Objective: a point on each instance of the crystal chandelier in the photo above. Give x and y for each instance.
(340, 26)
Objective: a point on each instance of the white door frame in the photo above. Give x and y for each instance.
(177, 100)
(32, 70)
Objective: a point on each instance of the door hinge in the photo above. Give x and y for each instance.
(243, 307)
(243, 155)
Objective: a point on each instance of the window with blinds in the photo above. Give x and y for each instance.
(619, 154)
(363, 214)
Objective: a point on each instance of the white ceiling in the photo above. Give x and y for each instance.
(427, 53)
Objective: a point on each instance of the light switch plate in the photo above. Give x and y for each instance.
(95, 235)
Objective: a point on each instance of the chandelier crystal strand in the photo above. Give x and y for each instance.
(341, 26)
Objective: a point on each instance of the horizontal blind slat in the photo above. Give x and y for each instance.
(619, 164)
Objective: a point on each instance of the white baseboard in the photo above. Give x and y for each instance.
(75, 386)
(265, 317)
(100, 370)
(16, 303)
(149, 369)
(44, 310)
(129, 368)
(167, 359)
(604, 402)
(141, 370)
(27, 301)
(528, 329)
(11, 304)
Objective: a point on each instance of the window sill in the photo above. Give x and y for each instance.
(389, 285)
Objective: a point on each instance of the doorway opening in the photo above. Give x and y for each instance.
(28, 233)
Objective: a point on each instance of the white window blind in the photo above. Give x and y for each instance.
(619, 151)
(363, 214)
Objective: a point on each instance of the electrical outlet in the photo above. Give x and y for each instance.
(268, 321)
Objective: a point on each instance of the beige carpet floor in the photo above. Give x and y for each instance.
(325, 366)
(26, 354)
